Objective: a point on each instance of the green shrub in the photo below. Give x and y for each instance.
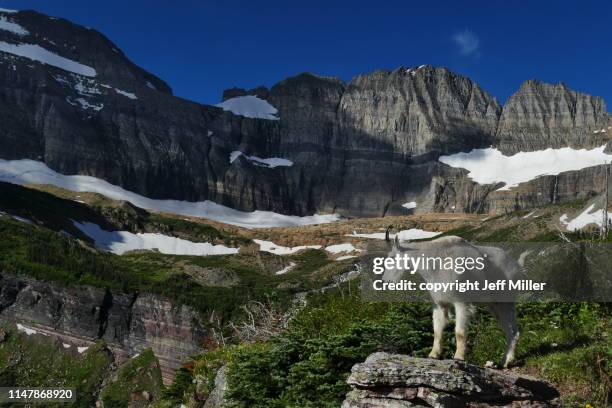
(307, 366)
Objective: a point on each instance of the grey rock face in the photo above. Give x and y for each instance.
(414, 112)
(544, 115)
(129, 323)
(392, 380)
(359, 149)
(261, 92)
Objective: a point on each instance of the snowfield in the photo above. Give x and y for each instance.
(84, 104)
(250, 106)
(341, 248)
(410, 205)
(119, 242)
(13, 27)
(89, 87)
(27, 330)
(7, 11)
(33, 172)
(126, 94)
(271, 247)
(39, 54)
(587, 217)
(258, 161)
(489, 166)
(286, 269)
(345, 257)
(404, 235)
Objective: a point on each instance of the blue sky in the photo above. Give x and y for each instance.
(203, 47)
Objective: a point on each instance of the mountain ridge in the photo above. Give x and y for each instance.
(384, 130)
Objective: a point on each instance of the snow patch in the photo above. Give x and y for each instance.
(489, 166)
(86, 86)
(587, 217)
(528, 215)
(66, 345)
(30, 171)
(81, 350)
(345, 257)
(126, 94)
(250, 106)
(234, 155)
(410, 205)
(404, 235)
(119, 242)
(8, 11)
(7, 25)
(21, 219)
(84, 104)
(271, 247)
(39, 54)
(286, 269)
(27, 330)
(150, 85)
(339, 248)
(271, 162)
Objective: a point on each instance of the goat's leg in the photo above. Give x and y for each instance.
(462, 321)
(506, 315)
(439, 323)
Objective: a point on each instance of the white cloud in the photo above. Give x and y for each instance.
(467, 42)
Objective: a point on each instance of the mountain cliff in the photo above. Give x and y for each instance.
(71, 99)
(542, 115)
(128, 322)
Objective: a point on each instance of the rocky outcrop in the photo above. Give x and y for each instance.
(216, 399)
(456, 192)
(398, 381)
(129, 323)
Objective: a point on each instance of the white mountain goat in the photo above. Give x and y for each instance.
(498, 266)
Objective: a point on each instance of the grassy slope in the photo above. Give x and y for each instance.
(567, 344)
(136, 383)
(41, 361)
(39, 251)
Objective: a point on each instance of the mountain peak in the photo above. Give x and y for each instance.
(60, 45)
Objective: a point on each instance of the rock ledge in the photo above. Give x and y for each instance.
(398, 381)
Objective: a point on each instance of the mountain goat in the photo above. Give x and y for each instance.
(499, 266)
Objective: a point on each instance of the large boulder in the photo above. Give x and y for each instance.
(396, 381)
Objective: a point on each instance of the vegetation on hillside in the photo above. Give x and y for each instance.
(307, 365)
(42, 361)
(137, 383)
(304, 364)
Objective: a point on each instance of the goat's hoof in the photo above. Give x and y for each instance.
(458, 358)
(434, 355)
